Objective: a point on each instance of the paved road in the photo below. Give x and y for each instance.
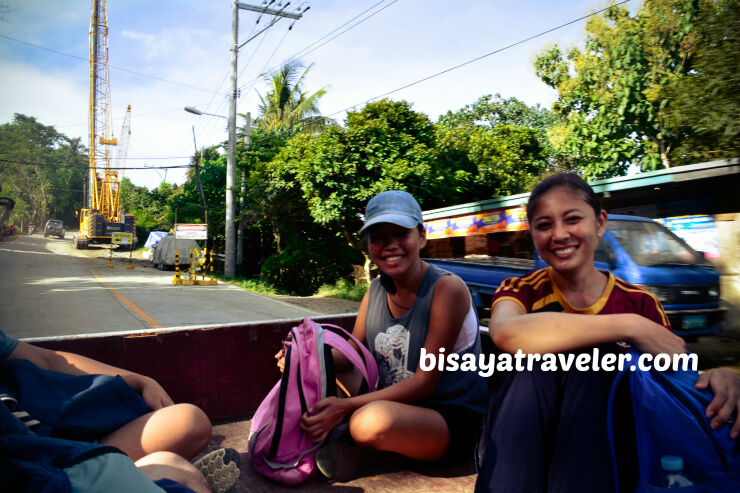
(45, 291)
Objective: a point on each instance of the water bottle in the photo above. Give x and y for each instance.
(673, 469)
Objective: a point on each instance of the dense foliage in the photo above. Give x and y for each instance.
(42, 170)
(656, 88)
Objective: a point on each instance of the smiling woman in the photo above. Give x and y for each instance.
(543, 426)
(422, 414)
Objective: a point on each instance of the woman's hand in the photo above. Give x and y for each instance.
(280, 357)
(318, 422)
(149, 390)
(649, 337)
(725, 386)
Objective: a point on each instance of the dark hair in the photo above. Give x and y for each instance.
(572, 182)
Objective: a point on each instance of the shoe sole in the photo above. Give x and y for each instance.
(339, 461)
(221, 468)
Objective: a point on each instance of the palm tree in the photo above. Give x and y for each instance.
(286, 106)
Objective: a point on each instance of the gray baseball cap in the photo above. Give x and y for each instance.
(395, 207)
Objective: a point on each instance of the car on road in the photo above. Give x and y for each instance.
(54, 227)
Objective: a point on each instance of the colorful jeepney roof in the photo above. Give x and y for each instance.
(436, 217)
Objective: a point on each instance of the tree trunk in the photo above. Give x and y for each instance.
(352, 243)
(367, 268)
(276, 233)
(664, 151)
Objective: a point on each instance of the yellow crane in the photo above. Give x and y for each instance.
(102, 217)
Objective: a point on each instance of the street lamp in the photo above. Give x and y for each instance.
(196, 111)
(230, 252)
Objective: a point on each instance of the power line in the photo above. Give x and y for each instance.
(340, 27)
(255, 141)
(300, 53)
(111, 66)
(481, 57)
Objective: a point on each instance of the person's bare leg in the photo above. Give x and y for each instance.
(161, 465)
(412, 431)
(182, 428)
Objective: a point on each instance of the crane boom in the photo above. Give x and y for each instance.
(101, 218)
(99, 114)
(122, 151)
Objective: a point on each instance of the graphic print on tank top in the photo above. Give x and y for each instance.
(392, 349)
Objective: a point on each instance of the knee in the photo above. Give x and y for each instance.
(194, 422)
(161, 458)
(371, 424)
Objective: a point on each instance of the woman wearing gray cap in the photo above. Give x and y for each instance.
(414, 308)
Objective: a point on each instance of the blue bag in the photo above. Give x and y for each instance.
(36, 464)
(670, 419)
(76, 407)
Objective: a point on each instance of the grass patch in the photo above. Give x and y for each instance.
(344, 290)
(254, 285)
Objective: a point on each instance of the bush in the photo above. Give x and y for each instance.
(307, 262)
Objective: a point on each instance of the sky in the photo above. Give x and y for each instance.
(165, 55)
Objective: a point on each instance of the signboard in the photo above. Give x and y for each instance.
(191, 231)
(438, 229)
(478, 224)
(463, 226)
(122, 238)
(516, 219)
(492, 221)
(700, 232)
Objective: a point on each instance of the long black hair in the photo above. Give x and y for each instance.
(572, 182)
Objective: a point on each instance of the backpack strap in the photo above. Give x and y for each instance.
(338, 338)
(281, 403)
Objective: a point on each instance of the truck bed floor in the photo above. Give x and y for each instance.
(393, 473)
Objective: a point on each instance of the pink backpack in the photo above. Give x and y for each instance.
(277, 445)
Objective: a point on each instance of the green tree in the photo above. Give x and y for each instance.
(42, 170)
(487, 162)
(490, 111)
(495, 146)
(610, 92)
(286, 106)
(705, 103)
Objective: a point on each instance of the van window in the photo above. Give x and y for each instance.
(602, 251)
(651, 244)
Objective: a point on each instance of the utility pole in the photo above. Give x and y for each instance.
(230, 253)
(240, 245)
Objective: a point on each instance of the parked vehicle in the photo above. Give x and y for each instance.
(637, 250)
(54, 227)
(163, 255)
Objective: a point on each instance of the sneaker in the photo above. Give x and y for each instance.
(341, 460)
(220, 468)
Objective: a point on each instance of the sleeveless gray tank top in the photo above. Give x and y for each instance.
(396, 345)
